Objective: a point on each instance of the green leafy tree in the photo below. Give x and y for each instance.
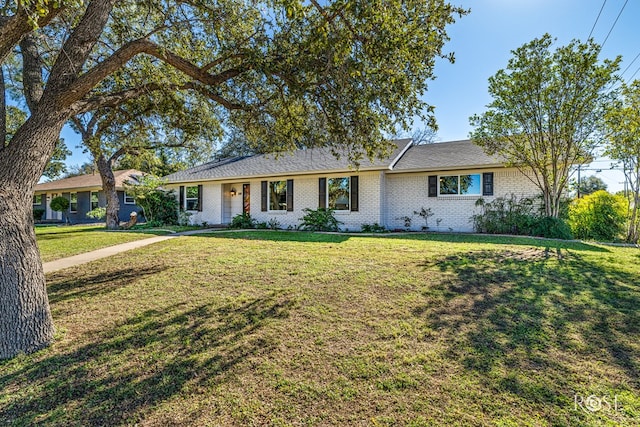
(57, 166)
(59, 204)
(139, 127)
(599, 216)
(546, 112)
(158, 205)
(623, 125)
(338, 73)
(588, 185)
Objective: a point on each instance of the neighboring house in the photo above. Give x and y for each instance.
(85, 194)
(446, 177)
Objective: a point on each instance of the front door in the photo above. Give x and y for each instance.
(246, 198)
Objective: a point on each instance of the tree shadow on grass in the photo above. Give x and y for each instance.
(67, 287)
(123, 373)
(522, 320)
(511, 240)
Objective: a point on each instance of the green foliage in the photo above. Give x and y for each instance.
(588, 185)
(57, 166)
(243, 220)
(320, 219)
(97, 213)
(505, 215)
(37, 214)
(159, 206)
(622, 123)
(552, 228)
(510, 215)
(547, 111)
(598, 216)
(373, 228)
(59, 204)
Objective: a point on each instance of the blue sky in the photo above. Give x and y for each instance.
(483, 41)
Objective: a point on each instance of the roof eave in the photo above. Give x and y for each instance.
(449, 168)
(270, 175)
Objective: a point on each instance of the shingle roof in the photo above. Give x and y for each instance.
(316, 160)
(445, 156)
(88, 181)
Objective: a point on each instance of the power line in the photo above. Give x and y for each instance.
(614, 23)
(630, 64)
(633, 75)
(597, 18)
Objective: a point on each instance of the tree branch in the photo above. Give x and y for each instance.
(13, 28)
(116, 99)
(33, 85)
(94, 76)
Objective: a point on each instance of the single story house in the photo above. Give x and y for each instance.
(85, 194)
(447, 178)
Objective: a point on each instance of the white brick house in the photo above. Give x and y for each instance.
(447, 177)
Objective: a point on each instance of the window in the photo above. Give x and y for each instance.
(277, 195)
(460, 185)
(338, 193)
(192, 196)
(94, 200)
(37, 199)
(129, 200)
(73, 202)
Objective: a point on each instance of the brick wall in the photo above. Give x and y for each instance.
(383, 199)
(407, 193)
(305, 195)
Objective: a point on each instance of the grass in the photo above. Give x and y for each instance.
(277, 328)
(57, 242)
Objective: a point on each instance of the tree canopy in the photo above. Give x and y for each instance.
(546, 111)
(623, 124)
(340, 73)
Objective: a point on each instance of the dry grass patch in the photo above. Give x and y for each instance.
(276, 328)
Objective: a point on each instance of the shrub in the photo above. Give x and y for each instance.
(505, 215)
(598, 216)
(273, 224)
(158, 205)
(425, 214)
(243, 220)
(60, 204)
(97, 213)
(37, 214)
(372, 228)
(553, 228)
(321, 219)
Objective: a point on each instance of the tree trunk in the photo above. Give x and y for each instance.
(109, 188)
(26, 324)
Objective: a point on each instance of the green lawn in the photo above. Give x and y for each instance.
(278, 328)
(63, 241)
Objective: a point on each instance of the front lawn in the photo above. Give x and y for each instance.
(57, 242)
(278, 328)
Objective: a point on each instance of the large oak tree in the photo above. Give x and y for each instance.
(335, 73)
(546, 112)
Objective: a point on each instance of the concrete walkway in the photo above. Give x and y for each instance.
(86, 257)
